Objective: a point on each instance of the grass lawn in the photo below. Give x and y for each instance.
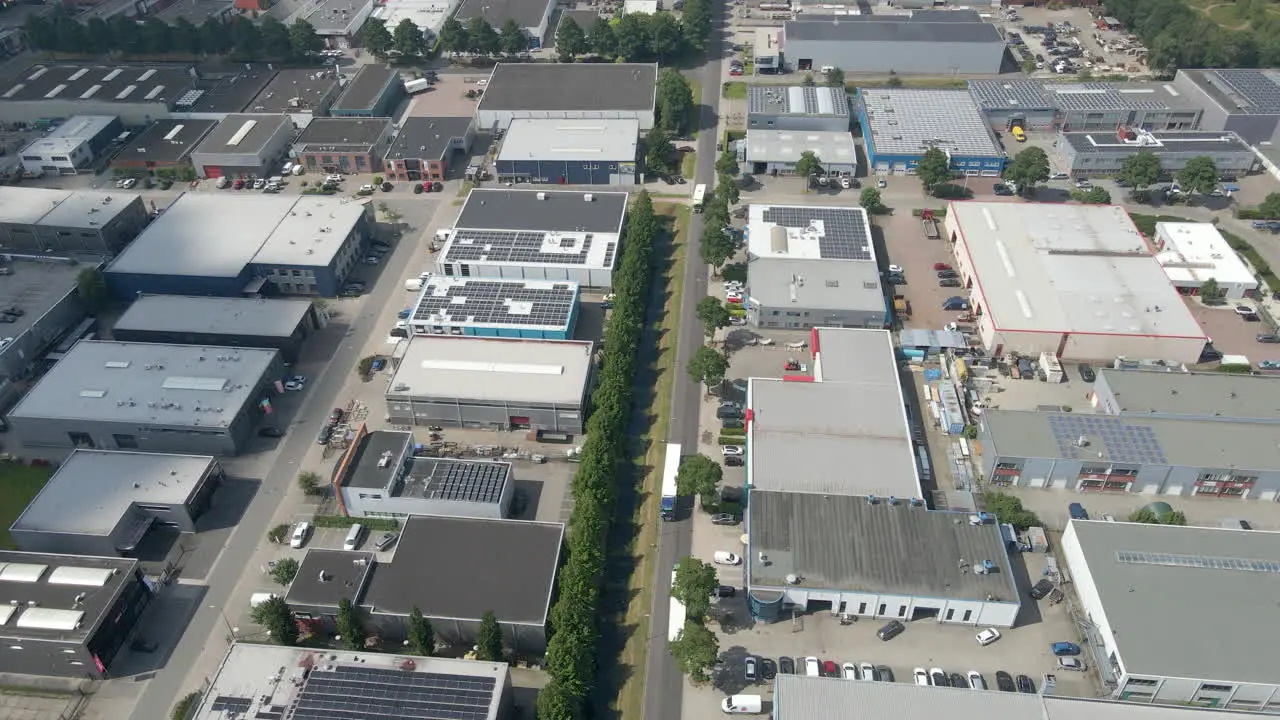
(18, 485)
(734, 90)
(689, 165)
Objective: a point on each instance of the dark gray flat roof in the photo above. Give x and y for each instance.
(366, 87)
(99, 83)
(893, 32)
(239, 317)
(1197, 141)
(563, 211)
(571, 86)
(227, 94)
(462, 567)
(293, 90)
(1220, 396)
(526, 13)
(344, 577)
(427, 138)
(365, 472)
(343, 134)
(24, 577)
(264, 127)
(166, 141)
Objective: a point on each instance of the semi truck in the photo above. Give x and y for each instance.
(667, 510)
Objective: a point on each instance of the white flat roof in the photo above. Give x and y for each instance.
(496, 369)
(70, 135)
(312, 232)
(1067, 268)
(573, 140)
(60, 208)
(786, 146)
(1196, 252)
(428, 15)
(802, 232)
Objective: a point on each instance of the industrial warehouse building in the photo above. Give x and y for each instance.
(381, 477)
(1075, 281)
(154, 398)
(1084, 106)
(797, 107)
(46, 291)
(537, 235)
(805, 489)
(531, 16)
(243, 146)
(929, 42)
(1104, 153)
(279, 323)
(492, 383)
(812, 267)
(302, 93)
(137, 94)
(433, 568)
(1194, 253)
(72, 146)
(1245, 101)
(104, 502)
(1136, 581)
(425, 145)
(164, 145)
(532, 309)
(234, 246)
(68, 615)
(68, 222)
(776, 152)
(1209, 397)
(339, 21)
(343, 145)
(1130, 453)
(900, 125)
(569, 91)
(391, 687)
(375, 91)
(570, 152)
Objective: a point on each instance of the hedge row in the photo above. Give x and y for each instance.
(571, 653)
(342, 521)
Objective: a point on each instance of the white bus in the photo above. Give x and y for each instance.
(676, 620)
(699, 195)
(670, 470)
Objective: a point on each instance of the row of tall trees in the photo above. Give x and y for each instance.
(637, 36)
(1178, 35)
(406, 41)
(479, 38)
(571, 659)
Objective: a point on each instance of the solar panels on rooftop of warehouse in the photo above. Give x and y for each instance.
(465, 481)
(845, 235)
(502, 246)
(1122, 441)
(1258, 88)
(341, 692)
(496, 302)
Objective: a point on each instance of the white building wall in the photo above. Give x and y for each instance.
(904, 607)
(586, 277)
(501, 119)
(36, 160)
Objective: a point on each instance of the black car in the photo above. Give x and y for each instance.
(724, 519)
(724, 591)
(1004, 681)
(733, 461)
(1002, 190)
(1086, 373)
(958, 681)
(890, 631)
(1025, 685)
(386, 187)
(731, 423)
(949, 282)
(323, 437)
(1041, 589)
(270, 432)
(884, 674)
(768, 669)
(939, 679)
(437, 187)
(1267, 338)
(786, 666)
(1210, 354)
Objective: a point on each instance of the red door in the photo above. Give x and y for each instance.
(212, 171)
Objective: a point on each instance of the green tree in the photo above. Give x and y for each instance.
(699, 475)
(727, 165)
(285, 570)
(1177, 517)
(694, 583)
(214, 38)
(1269, 208)
(453, 36)
(375, 38)
(1092, 196)
(69, 35)
(727, 191)
(1028, 168)
(276, 617)
(1144, 516)
(277, 42)
(696, 651)
(91, 286)
(185, 37)
(1008, 509)
(126, 34)
(39, 32)
(512, 39)
(1028, 65)
(601, 39)
(933, 169)
(1199, 176)
(278, 533)
(708, 366)
(1210, 289)
(835, 77)
(556, 703)
(157, 36)
(870, 201)
(1141, 169)
(894, 81)
(675, 102)
(659, 152)
(483, 38)
(571, 40)
(713, 314)
(421, 636)
(632, 33)
(716, 247)
(246, 38)
(303, 40)
(489, 638)
(409, 39)
(808, 165)
(695, 20)
(349, 625)
(665, 36)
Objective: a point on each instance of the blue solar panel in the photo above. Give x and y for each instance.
(1120, 440)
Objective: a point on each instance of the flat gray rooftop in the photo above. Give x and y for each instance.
(827, 285)
(366, 87)
(452, 302)
(343, 134)
(165, 141)
(907, 30)
(345, 575)
(493, 369)
(334, 16)
(158, 84)
(1189, 442)
(229, 93)
(427, 138)
(526, 13)
(475, 481)
(1220, 396)
(847, 543)
(243, 317)
(242, 134)
(786, 146)
(92, 489)
(365, 472)
(571, 86)
(46, 586)
(84, 209)
(908, 122)
(149, 384)
(1196, 141)
(571, 140)
(1150, 578)
(544, 211)
(35, 287)
(797, 100)
(295, 89)
(1243, 91)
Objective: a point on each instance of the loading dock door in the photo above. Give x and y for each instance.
(213, 171)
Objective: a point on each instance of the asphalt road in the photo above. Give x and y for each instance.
(664, 686)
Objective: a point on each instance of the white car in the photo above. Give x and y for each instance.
(728, 450)
(1083, 183)
(295, 383)
(811, 667)
(1070, 663)
(850, 671)
(921, 677)
(724, 557)
(867, 671)
(988, 636)
(301, 532)
(976, 681)
(366, 188)
(333, 178)
(897, 269)
(1059, 176)
(483, 82)
(259, 184)
(732, 285)
(130, 182)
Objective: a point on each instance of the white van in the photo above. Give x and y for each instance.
(743, 704)
(413, 284)
(222, 182)
(353, 537)
(257, 599)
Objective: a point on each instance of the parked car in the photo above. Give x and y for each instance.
(1212, 354)
(733, 461)
(724, 557)
(1065, 648)
(942, 274)
(768, 669)
(1263, 338)
(301, 532)
(938, 678)
(1071, 663)
(749, 669)
(942, 266)
(829, 669)
(732, 423)
(386, 540)
(988, 636)
(273, 432)
(891, 630)
(955, 303)
(812, 667)
(1041, 589)
(920, 676)
(437, 187)
(1057, 175)
(378, 364)
(724, 519)
(1077, 511)
(867, 671)
(976, 681)
(956, 680)
(731, 450)
(786, 666)
(1025, 685)
(336, 415)
(326, 432)
(1086, 372)
(949, 283)
(1002, 190)
(1269, 364)
(884, 673)
(725, 591)
(849, 671)
(295, 383)
(1245, 311)
(1083, 184)
(1004, 681)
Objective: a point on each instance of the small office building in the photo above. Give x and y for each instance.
(343, 145)
(797, 107)
(104, 502)
(492, 383)
(424, 147)
(279, 323)
(1084, 106)
(531, 16)
(569, 91)
(244, 146)
(381, 476)
(155, 398)
(338, 22)
(570, 152)
(1194, 253)
(1103, 153)
(72, 146)
(301, 93)
(68, 222)
(68, 616)
(899, 125)
(137, 94)
(776, 152)
(164, 145)
(433, 567)
(375, 91)
(531, 309)
(942, 42)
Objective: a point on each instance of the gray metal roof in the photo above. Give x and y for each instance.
(1017, 94)
(1183, 141)
(295, 89)
(493, 369)
(533, 87)
(586, 19)
(826, 285)
(1154, 582)
(786, 146)
(366, 87)
(918, 338)
(436, 562)
(1191, 442)
(166, 141)
(908, 122)
(797, 100)
(571, 140)
(92, 490)
(334, 16)
(242, 134)
(230, 93)
(1217, 396)
(243, 317)
(526, 13)
(543, 211)
(1244, 91)
(159, 84)
(427, 138)
(365, 470)
(86, 209)
(1010, 94)
(473, 481)
(42, 595)
(456, 302)
(847, 543)
(343, 134)
(904, 31)
(148, 384)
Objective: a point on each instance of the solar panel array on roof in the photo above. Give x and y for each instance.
(346, 693)
(796, 100)
(1021, 94)
(844, 234)
(1259, 88)
(1122, 441)
(1102, 96)
(496, 302)
(467, 482)
(909, 121)
(501, 246)
(1129, 557)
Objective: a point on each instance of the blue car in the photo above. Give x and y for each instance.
(404, 314)
(1077, 511)
(1065, 648)
(378, 364)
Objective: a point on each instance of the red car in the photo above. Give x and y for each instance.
(941, 266)
(426, 187)
(239, 185)
(829, 669)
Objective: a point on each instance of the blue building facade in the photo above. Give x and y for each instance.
(497, 308)
(882, 160)
(568, 172)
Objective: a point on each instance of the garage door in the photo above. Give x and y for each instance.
(1058, 483)
(1037, 482)
(212, 171)
(1173, 490)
